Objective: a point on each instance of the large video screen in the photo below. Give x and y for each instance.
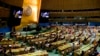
(16, 12)
(45, 14)
(44, 17)
(15, 16)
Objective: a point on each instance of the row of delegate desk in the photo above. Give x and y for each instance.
(64, 45)
(58, 43)
(10, 47)
(14, 47)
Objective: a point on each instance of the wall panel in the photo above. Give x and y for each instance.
(18, 3)
(4, 12)
(62, 14)
(70, 4)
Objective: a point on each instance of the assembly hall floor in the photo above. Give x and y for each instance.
(60, 44)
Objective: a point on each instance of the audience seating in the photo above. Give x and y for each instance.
(63, 39)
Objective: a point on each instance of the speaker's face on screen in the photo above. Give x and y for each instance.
(18, 14)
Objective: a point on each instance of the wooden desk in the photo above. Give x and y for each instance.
(5, 39)
(46, 35)
(84, 48)
(38, 39)
(30, 35)
(6, 43)
(65, 46)
(19, 37)
(40, 53)
(58, 43)
(18, 50)
(15, 45)
(37, 53)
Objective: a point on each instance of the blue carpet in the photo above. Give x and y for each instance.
(5, 29)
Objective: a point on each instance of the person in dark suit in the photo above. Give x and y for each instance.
(38, 28)
(32, 49)
(4, 51)
(82, 54)
(94, 53)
